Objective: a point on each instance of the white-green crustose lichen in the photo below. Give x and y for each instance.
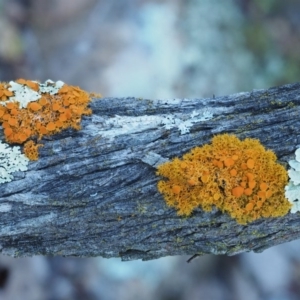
(11, 160)
(51, 87)
(24, 94)
(292, 190)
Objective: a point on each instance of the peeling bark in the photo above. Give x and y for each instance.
(93, 192)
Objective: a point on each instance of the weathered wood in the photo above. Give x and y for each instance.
(93, 192)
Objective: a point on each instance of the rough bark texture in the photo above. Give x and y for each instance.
(93, 192)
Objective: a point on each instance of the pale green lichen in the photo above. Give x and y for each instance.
(292, 190)
(11, 160)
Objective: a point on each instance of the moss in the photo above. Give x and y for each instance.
(241, 178)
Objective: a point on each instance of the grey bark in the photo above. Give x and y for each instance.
(93, 192)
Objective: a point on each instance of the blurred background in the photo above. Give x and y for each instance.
(153, 49)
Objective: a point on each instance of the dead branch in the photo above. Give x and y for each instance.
(93, 192)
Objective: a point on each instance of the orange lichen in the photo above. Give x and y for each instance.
(31, 150)
(34, 106)
(46, 116)
(250, 163)
(176, 189)
(237, 191)
(253, 189)
(34, 85)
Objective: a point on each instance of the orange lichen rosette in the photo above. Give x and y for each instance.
(241, 178)
(47, 114)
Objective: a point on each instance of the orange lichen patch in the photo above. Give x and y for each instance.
(34, 106)
(250, 176)
(21, 137)
(248, 192)
(34, 85)
(252, 190)
(192, 181)
(263, 186)
(228, 162)
(6, 117)
(243, 184)
(252, 184)
(8, 131)
(249, 206)
(31, 150)
(11, 105)
(48, 115)
(43, 101)
(204, 178)
(176, 189)
(259, 204)
(250, 163)
(220, 165)
(8, 93)
(233, 172)
(12, 121)
(56, 106)
(217, 196)
(268, 194)
(51, 126)
(4, 92)
(238, 191)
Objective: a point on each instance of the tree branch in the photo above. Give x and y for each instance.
(93, 192)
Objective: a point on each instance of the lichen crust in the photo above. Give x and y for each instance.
(240, 178)
(30, 110)
(292, 190)
(11, 160)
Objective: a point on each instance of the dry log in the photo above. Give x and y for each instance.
(93, 191)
